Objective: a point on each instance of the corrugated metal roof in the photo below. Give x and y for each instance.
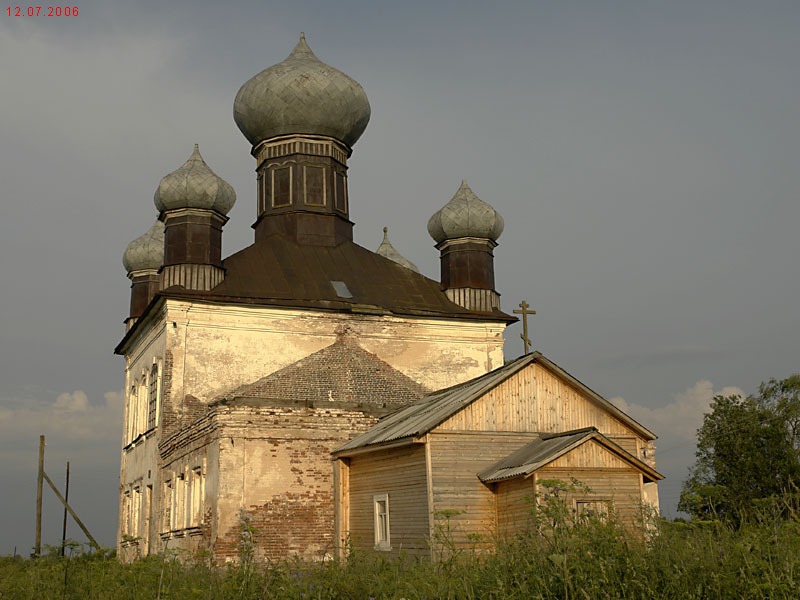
(536, 454)
(420, 417)
(549, 447)
(431, 410)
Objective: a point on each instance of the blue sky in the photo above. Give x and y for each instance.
(643, 154)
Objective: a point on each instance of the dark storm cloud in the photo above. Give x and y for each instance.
(644, 157)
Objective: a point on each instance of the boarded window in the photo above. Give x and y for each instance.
(314, 185)
(282, 186)
(341, 192)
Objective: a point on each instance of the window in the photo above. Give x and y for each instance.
(382, 531)
(198, 486)
(131, 428)
(152, 405)
(591, 509)
(137, 510)
(148, 509)
(178, 506)
(167, 502)
(126, 513)
(142, 417)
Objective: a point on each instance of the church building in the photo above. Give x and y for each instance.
(255, 384)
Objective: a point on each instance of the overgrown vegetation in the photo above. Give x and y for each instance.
(561, 555)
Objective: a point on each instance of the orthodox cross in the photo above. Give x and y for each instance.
(524, 312)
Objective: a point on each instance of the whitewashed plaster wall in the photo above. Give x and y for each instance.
(216, 348)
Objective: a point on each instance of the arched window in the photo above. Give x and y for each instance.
(152, 404)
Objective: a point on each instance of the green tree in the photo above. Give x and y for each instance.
(748, 449)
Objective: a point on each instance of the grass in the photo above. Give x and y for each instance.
(559, 557)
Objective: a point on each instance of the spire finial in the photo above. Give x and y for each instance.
(197, 147)
(301, 50)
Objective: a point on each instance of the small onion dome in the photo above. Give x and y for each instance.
(194, 185)
(388, 251)
(301, 95)
(465, 215)
(146, 252)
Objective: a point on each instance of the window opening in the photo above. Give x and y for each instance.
(382, 531)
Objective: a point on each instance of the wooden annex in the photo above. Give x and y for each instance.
(474, 452)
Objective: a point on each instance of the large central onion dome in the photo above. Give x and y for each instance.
(301, 95)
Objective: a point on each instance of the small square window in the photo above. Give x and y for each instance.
(382, 530)
(591, 509)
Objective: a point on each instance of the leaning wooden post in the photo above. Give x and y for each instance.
(37, 549)
(71, 512)
(66, 499)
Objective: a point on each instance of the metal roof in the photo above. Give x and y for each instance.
(428, 412)
(549, 447)
(279, 272)
(420, 417)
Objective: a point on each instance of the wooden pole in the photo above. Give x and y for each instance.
(71, 512)
(37, 548)
(66, 499)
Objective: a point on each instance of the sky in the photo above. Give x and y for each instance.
(643, 154)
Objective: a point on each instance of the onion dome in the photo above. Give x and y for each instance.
(146, 252)
(194, 185)
(465, 215)
(388, 251)
(301, 95)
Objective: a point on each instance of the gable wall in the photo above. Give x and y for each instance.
(400, 473)
(621, 488)
(534, 399)
(589, 455)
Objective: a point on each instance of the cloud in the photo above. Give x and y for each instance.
(74, 402)
(72, 425)
(680, 419)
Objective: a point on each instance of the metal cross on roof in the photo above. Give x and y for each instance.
(524, 312)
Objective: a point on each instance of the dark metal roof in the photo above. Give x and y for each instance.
(428, 412)
(277, 271)
(549, 447)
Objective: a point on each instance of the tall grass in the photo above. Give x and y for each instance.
(559, 556)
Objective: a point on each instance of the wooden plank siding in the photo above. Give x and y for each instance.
(456, 459)
(589, 455)
(618, 488)
(608, 478)
(515, 503)
(400, 473)
(537, 400)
